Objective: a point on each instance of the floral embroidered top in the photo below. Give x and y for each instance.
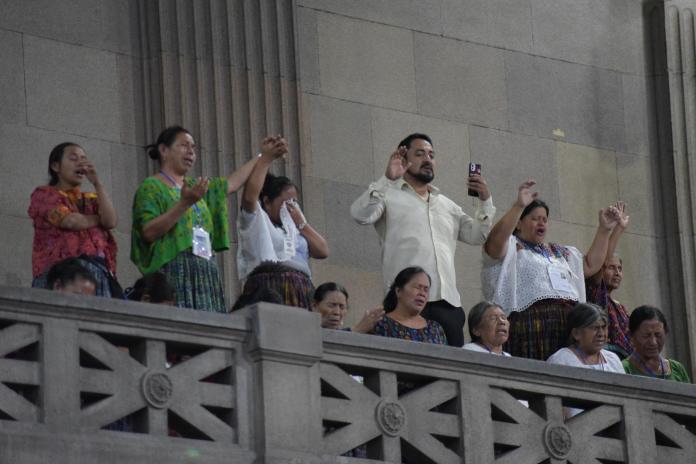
(154, 198)
(47, 209)
(431, 333)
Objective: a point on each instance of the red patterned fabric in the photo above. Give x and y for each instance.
(48, 207)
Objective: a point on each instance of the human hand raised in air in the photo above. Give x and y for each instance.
(397, 166)
(274, 147)
(477, 183)
(623, 217)
(525, 195)
(191, 195)
(609, 217)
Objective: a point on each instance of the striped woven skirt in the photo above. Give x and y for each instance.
(286, 285)
(196, 282)
(540, 330)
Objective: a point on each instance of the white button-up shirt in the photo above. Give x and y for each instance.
(418, 232)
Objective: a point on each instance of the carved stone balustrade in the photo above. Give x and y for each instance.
(89, 380)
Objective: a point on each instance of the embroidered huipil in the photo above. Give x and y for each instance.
(418, 232)
(521, 277)
(48, 207)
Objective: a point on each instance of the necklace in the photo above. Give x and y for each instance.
(644, 366)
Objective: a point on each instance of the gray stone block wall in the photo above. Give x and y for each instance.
(559, 91)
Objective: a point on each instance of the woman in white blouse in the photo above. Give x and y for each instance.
(587, 336)
(489, 329)
(534, 282)
(275, 240)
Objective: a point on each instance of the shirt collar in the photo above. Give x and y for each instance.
(403, 185)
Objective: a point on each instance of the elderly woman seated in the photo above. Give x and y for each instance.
(403, 304)
(587, 335)
(331, 301)
(489, 329)
(648, 329)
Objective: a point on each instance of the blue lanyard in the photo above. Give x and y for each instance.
(178, 189)
(649, 371)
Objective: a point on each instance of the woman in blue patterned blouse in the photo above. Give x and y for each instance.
(403, 304)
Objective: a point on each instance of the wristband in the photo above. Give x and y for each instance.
(301, 226)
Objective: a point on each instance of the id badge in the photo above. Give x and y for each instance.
(560, 279)
(201, 243)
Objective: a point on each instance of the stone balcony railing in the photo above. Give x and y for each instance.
(88, 380)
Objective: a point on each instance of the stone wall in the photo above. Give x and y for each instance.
(559, 91)
(564, 91)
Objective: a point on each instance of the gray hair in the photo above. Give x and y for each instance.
(584, 315)
(476, 315)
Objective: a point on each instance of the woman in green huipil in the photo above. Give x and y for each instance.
(179, 221)
(648, 328)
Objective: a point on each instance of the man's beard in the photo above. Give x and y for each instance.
(424, 177)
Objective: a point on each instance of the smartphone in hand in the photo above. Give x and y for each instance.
(474, 168)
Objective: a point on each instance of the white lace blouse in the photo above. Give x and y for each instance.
(523, 277)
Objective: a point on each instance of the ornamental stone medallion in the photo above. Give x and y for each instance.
(557, 440)
(157, 389)
(391, 417)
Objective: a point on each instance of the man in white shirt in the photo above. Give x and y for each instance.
(419, 226)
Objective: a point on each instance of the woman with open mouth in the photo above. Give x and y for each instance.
(69, 223)
(535, 282)
(407, 297)
(179, 221)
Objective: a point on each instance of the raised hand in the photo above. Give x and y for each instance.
(274, 147)
(478, 184)
(191, 195)
(90, 172)
(623, 217)
(524, 193)
(609, 217)
(295, 212)
(369, 319)
(397, 166)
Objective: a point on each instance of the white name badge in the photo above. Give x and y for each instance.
(201, 243)
(560, 279)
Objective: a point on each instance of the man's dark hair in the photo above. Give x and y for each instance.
(68, 271)
(415, 136)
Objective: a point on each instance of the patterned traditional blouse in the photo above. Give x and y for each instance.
(619, 341)
(522, 276)
(154, 198)
(431, 333)
(47, 209)
(677, 371)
